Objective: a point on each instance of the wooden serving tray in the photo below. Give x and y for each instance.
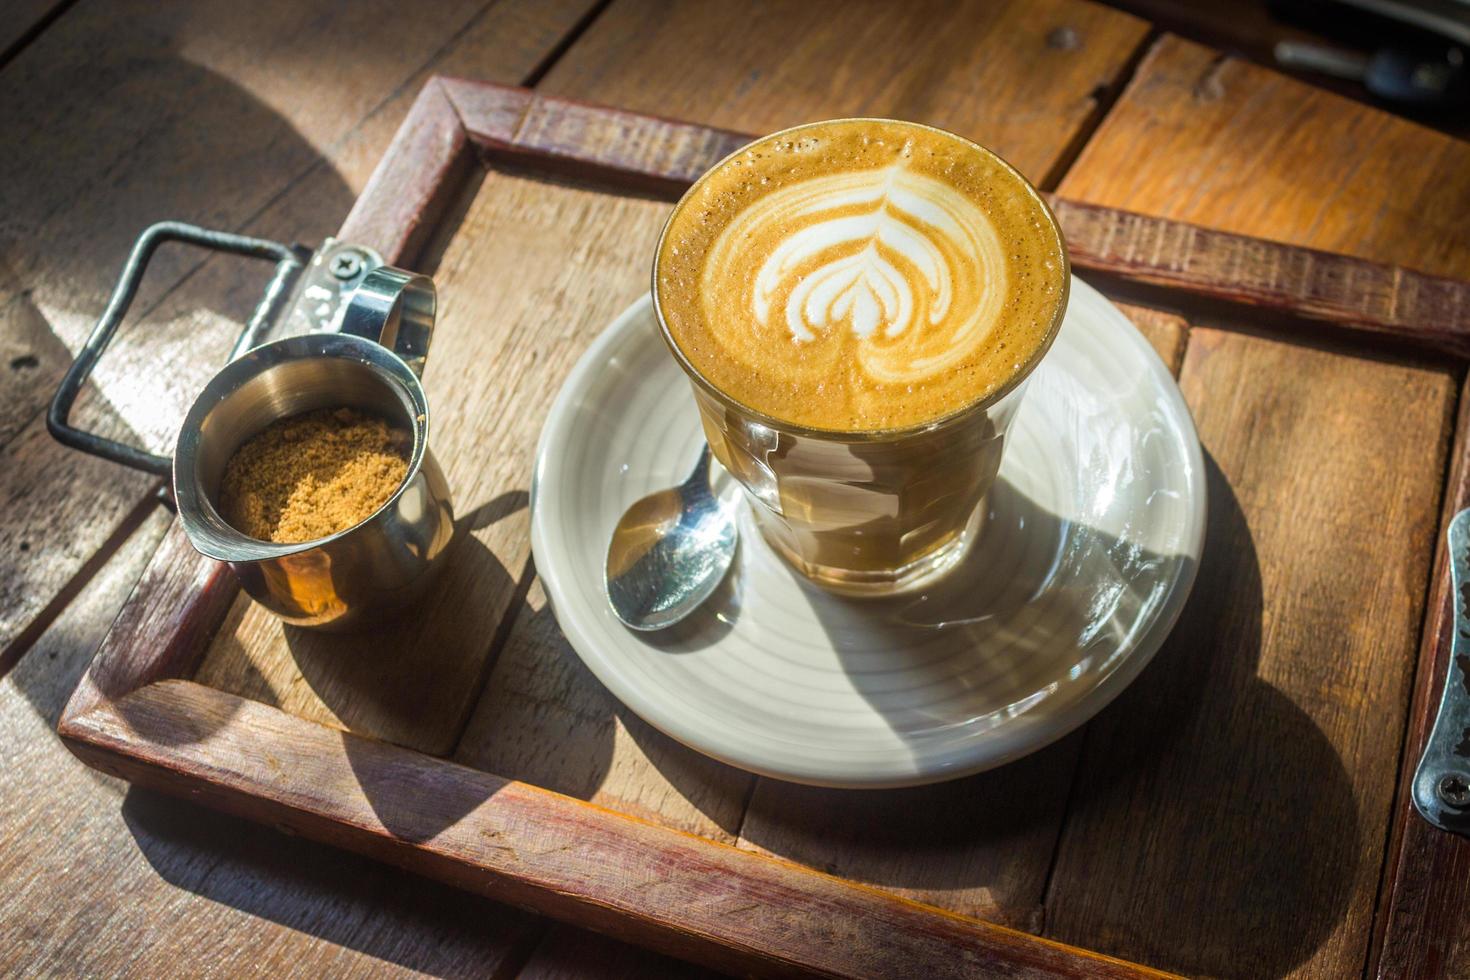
(467, 743)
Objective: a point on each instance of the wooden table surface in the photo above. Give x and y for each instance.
(268, 119)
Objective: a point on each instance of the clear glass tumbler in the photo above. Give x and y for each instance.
(864, 512)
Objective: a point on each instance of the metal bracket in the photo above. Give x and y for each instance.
(1441, 787)
(305, 295)
(317, 304)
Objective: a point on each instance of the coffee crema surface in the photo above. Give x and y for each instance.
(861, 275)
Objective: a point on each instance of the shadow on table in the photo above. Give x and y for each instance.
(404, 680)
(1020, 631)
(193, 306)
(545, 719)
(1212, 828)
(88, 207)
(336, 896)
(1218, 816)
(400, 682)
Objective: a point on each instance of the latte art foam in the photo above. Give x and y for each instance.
(862, 274)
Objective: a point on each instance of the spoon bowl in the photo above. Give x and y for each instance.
(669, 552)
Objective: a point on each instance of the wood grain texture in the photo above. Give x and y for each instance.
(980, 846)
(181, 600)
(101, 880)
(544, 719)
(1253, 28)
(537, 697)
(563, 135)
(423, 168)
(680, 894)
(505, 202)
(1423, 929)
(1009, 74)
(572, 954)
(123, 114)
(47, 541)
(577, 257)
(32, 361)
(1214, 141)
(1232, 806)
(1246, 150)
(1345, 292)
(532, 704)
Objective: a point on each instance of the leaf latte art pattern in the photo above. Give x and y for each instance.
(860, 275)
(888, 268)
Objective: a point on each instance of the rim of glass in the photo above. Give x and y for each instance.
(863, 435)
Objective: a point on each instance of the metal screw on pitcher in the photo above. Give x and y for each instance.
(346, 264)
(1454, 790)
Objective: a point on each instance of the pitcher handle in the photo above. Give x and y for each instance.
(289, 262)
(396, 309)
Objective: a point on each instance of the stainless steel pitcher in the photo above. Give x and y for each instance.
(335, 328)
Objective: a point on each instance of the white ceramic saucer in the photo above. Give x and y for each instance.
(1091, 546)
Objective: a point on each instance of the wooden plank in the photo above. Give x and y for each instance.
(1211, 140)
(499, 508)
(1240, 148)
(680, 894)
(105, 129)
(162, 637)
(187, 593)
(1231, 807)
(1342, 291)
(102, 880)
(1167, 332)
(1253, 28)
(32, 360)
(1022, 78)
(545, 720)
(571, 954)
(563, 135)
(45, 542)
(980, 846)
(1422, 928)
(422, 170)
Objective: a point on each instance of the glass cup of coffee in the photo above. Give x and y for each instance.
(858, 304)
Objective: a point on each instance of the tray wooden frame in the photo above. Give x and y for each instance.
(136, 714)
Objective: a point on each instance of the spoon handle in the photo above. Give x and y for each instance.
(699, 476)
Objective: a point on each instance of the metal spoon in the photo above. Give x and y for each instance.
(669, 552)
